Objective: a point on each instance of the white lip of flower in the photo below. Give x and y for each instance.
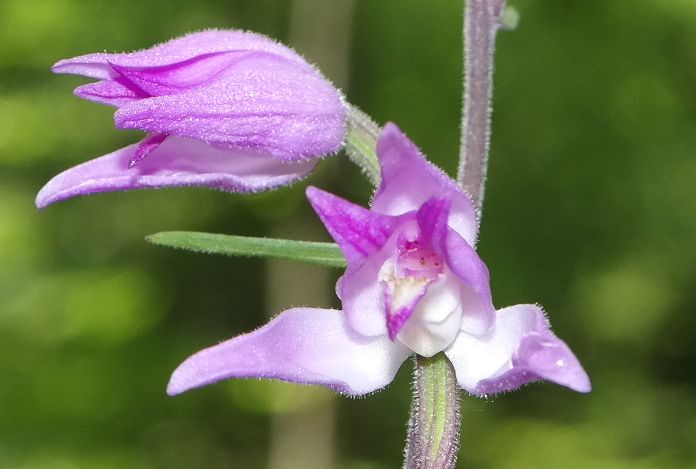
(435, 321)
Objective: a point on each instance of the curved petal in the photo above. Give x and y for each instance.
(519, 349)
(282, 111)
(175, 162)
(116, 92)
(478, 312)
(302, 345)
(357, 231)
(363, 295)
(409, 180)
(432, 219)
(201, 70)
(174, 51)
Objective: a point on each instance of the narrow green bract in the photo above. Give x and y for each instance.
(326, 254)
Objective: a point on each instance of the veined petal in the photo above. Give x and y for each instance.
(432, 219)
(175, 51)
(519, 349)
(302, 345)
(201, 70)
(358, 231)
(283, 111)
(175, 162)
(409, 180)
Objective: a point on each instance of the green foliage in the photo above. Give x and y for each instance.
(211, 243)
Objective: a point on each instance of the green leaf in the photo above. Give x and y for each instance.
(327, 254)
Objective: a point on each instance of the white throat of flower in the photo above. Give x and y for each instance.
(423, 297)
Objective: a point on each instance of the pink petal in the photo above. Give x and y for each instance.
(145, 147)
(175, 51)
(358, 231)
(175, 162)
(478, 312)
(409, 180)
(282, 110)
(362, 295)
(432, 219)
(200, 71)
(519, 349)
(116, 92)
(302, 345)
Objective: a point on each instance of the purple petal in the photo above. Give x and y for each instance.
(199, 71)
(116, 92)
(281, 110)
(176, 162)
(409, 180)
(175, 51)
(302, 345)
(358, 231)
(362, 294)
(145, 147)
(519, 349)
(432, 222)
(478, 312)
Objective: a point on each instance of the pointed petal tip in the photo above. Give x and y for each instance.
(320, 200)
(390, 128)
(174, 390)
(60, 66)
(49, 194)
(312, 192)
(579, 382)
(180, 381)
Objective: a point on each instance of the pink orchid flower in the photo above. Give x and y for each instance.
(414, 284)
(228, 110)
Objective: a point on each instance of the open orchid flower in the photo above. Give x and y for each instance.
(228, 110)
(414, 284)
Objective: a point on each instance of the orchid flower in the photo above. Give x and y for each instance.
(228, 110)
(414, 284)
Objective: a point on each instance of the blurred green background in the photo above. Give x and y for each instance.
(590, 211)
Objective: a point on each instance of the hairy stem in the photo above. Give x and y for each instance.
(481, 23)
(433, 437)
(361, 143)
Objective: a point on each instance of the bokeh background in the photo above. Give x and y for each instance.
(590, 211)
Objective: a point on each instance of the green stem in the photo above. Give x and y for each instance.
(361, 143)
(433, 438)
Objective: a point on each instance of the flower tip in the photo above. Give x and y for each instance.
(311, 192)
(581, 383)
(47, 196)
(59, 67)
(180, 380)
(174, 388)
(317, 198)
(390, 128)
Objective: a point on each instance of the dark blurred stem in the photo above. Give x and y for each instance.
(433, 436)
(481, 23)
